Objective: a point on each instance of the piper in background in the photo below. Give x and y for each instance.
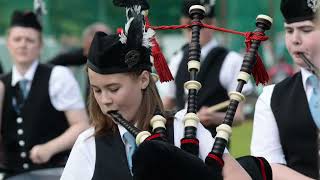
(43, 111)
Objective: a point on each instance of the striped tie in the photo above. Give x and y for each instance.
(23, 87)
(131, 142)
(314, 102)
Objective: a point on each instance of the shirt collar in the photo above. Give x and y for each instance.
(16, 76)
(208, 47)
(305, 75)
(122, 130)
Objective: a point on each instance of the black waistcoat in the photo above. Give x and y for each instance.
(297, 130)
(39, 121)
(111, 159)
(211, 92)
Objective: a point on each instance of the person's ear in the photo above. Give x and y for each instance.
(144, 79)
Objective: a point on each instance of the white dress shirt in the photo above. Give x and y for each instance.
(64, 90)
(228, 74)
(82, 159)
(265, 140)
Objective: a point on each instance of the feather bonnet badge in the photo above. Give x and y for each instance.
(125, 52)
(135, 36)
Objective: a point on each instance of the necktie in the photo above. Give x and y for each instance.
(131, 142)
(23, 87)
(314, 103)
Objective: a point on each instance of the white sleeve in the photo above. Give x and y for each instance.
(265, 140)
(204, 136)
(64, 90)
(168, 89)
(81, 161)
(229, 72)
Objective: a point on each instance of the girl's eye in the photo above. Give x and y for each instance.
(96, 90)
(114, 89)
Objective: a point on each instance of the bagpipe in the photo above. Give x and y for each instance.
(313, 68)
(156, 158)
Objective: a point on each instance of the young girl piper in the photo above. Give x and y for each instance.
(119, 69)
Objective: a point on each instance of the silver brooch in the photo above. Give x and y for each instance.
(132, 58)
(313, 4)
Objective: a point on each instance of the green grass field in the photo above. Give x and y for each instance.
(240, 140)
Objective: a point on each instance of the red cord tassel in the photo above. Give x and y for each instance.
(259, 72)
(160, 63)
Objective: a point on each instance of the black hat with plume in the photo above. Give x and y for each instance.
(26, 19)
(125, 52)
(299, 10)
